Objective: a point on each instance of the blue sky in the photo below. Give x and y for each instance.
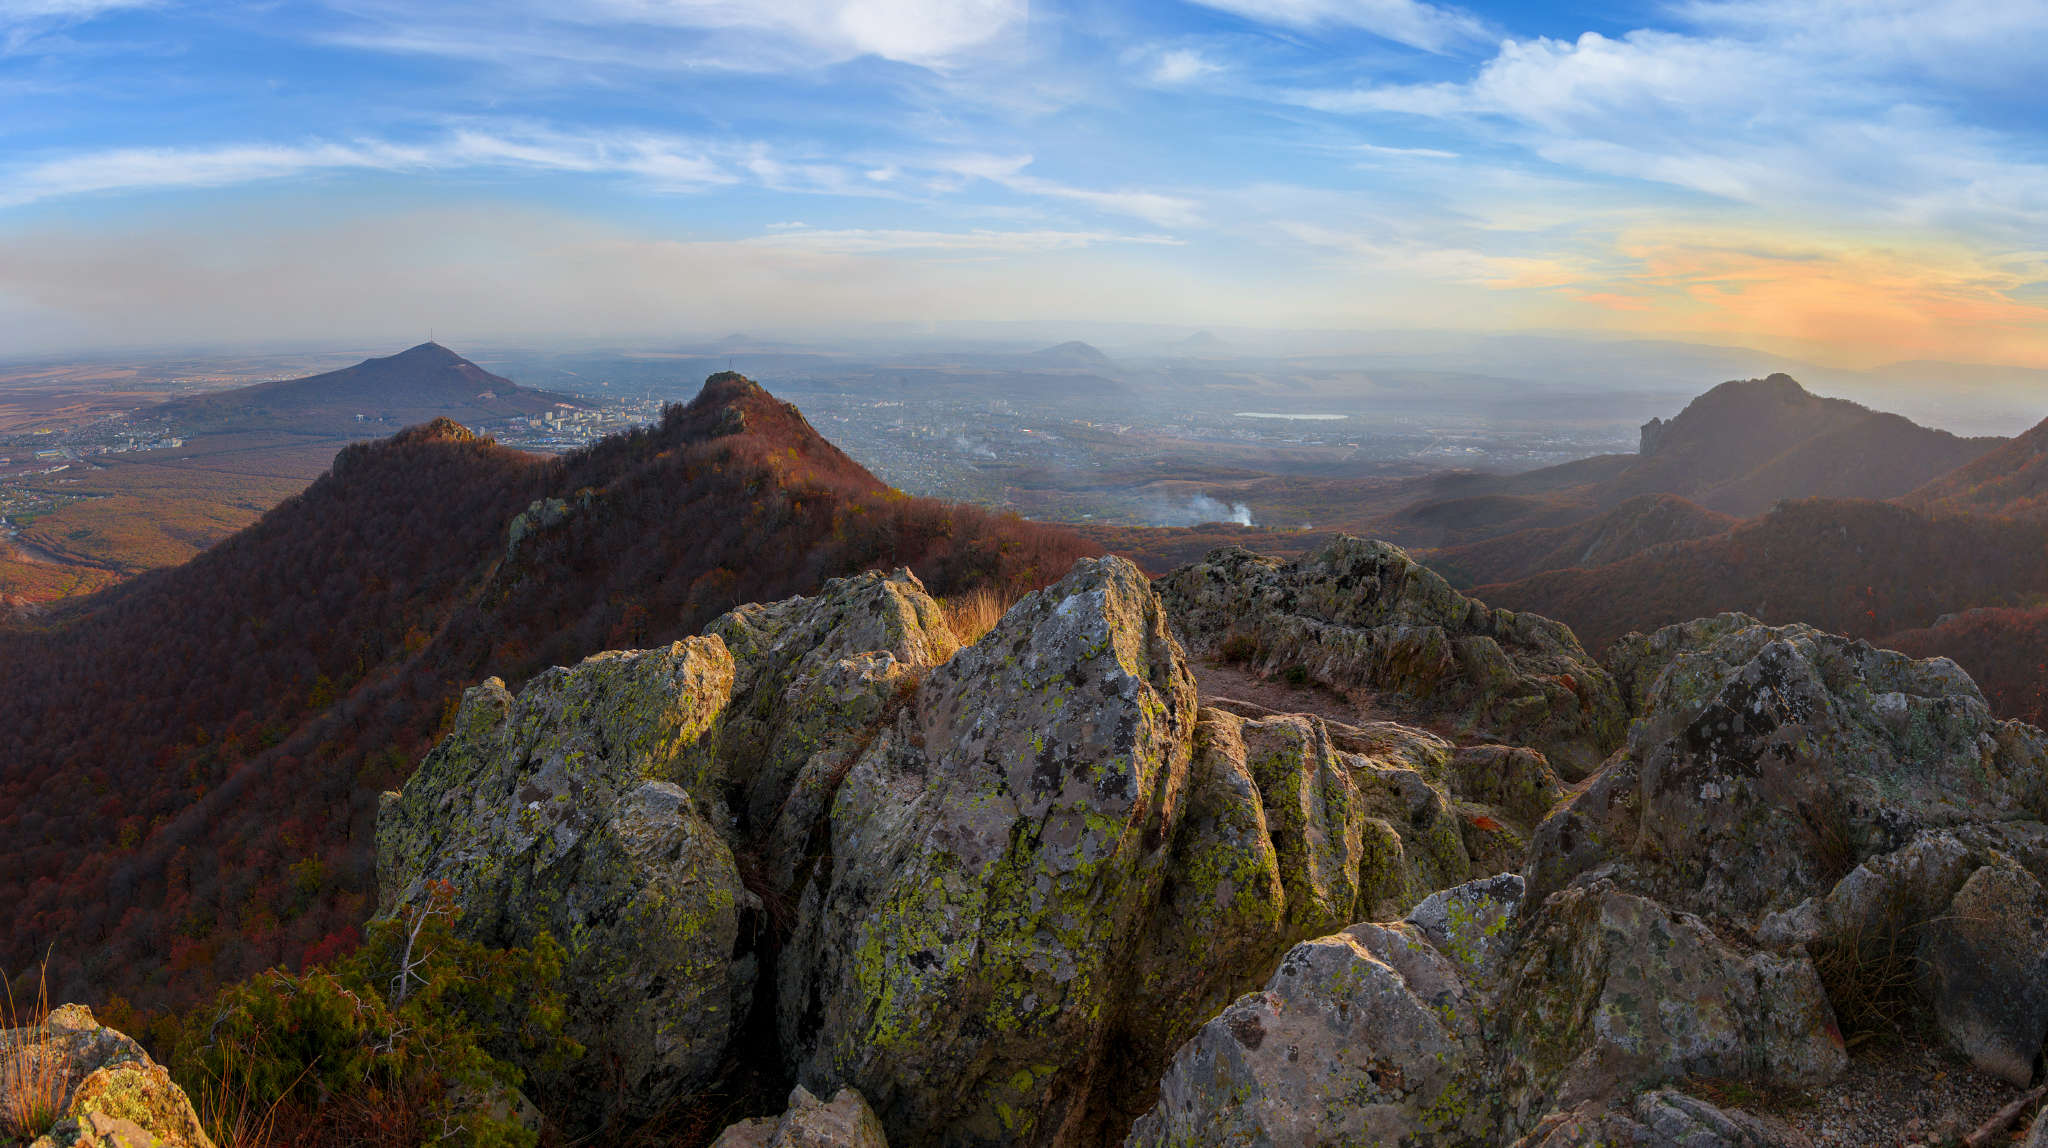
(1856, 181)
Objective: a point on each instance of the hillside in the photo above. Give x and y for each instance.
(2011, 481)
(1636, 525)
(1744, 445)
(426, 382)
(1856, 567)
(191, 777)
(1735, 450)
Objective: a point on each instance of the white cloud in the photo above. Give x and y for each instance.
(738, 35)
(1411, 22)
(1741, 112)
(659, 163)
(1177, 66)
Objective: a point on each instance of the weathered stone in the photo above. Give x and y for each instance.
(1366, 1037)
(813, 678)
(1291, 828)
(846, 1122)
(1987, 964)
(1608, 992)
(1772, 760)
(101, 1085)
(1362, 615)
(993, 857)
(551, 813)
(1473, 923)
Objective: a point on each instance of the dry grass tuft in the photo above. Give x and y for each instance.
(32, 1084)
(976, 612)
(1872, 974)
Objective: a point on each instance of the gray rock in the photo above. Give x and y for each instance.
(102, 1088)
(1363, 615)
(1472, 924)
(1771, 761)
(1608, 992)
(993, 859)
(2037, 1136)
(1366, 1037)
(1987, 965)
(551, 812)
(846, 1122)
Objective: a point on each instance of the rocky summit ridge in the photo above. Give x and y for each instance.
(1031, 891)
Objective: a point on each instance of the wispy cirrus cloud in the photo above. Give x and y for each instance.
(1430, 27)
(648, 161)
(734, 35)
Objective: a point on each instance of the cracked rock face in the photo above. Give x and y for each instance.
(845, 1122)
(1362, 615)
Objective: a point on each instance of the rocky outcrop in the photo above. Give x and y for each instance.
(609, 804)
(100, 1086)
(846, 1122)
(554, 811)
(1836, 798)
(1464, 1026)
(993, 857)
(1769, 761)
(1606, 992)
(1660, 1118)
(1363, 616)
(1369, 1036)
(991, 888)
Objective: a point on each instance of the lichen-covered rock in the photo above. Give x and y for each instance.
(103, 1087)
(813, 677)
(552, 812)
(1607, 992)
(1362, 615)
(846, 1122)
(1987, 964)
(1473, 923)
(1366, 1037)
(1291, 828)
(1770, 761)
(993, 857)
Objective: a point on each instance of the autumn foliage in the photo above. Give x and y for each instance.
(189, 784)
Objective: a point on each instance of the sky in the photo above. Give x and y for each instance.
(1853, 182)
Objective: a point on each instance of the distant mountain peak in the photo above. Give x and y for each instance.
(1072, 353)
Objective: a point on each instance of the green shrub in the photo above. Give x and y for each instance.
(416, 1036)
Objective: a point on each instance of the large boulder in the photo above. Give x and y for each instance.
(1292, 828)
(1987, 966)
(1827, 795)
(554, 811)
(992, 859)
(99, 1087)
(1369, 1036)
(845, 1122)
(1607, 992)
(1770, 760)
(1363, 616)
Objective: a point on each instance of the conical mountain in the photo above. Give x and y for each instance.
(374, 396)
